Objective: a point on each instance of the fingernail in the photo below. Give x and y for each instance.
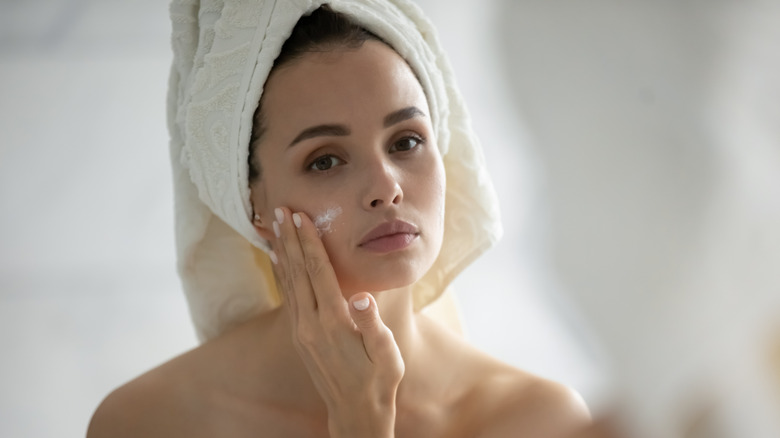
(297, 220)
(361, 304)
(279, 215)
(276, 229)
(273, 257)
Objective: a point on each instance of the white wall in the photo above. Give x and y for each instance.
(89, 297)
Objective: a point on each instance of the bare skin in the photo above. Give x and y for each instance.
(232, 386)
(319, 366)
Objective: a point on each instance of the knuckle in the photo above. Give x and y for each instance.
(305, 335)
(305, 240)
(298, 269)
(393, 371)
(315, 265)
(385, 343)
(287, 284)
(398, 371)
(395, 365)
(385, 334)
(400, 367)
(368, 322)
(307, 244)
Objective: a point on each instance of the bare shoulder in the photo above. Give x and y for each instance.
(146, 406)
(528, 405)
(203, 392)
(499, 400)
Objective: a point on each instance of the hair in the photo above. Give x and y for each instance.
(323, 30)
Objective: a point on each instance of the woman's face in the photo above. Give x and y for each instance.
(348, 141)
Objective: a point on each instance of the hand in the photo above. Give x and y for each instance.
(350, 354)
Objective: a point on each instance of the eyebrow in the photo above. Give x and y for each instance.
(321, 131)
(336, 130)
(399, 116)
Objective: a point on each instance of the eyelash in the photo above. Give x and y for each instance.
(420, 141)
(417, 138)
(310, 166)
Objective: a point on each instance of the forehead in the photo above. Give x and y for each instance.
(341, 84)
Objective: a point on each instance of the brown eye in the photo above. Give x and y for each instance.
(406, 144)
(325, 162)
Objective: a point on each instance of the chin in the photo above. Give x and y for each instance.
(367, 283)
(365, 272)
(380, 278)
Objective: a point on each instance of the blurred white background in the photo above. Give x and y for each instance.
(89, 297)
(657, 126)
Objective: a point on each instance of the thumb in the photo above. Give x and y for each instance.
(364, 312)
(377, 338)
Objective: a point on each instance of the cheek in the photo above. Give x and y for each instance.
(286, 193)
(427, 192)
(435, 185)
(439, 198)
(329, 219)
(330, 222)
(325, 220)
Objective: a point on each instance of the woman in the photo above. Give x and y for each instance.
(354, 150)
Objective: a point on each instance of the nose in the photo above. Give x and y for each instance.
(382, 187)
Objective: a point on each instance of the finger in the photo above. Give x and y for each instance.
(378, 340)
(295, 265)
(325, 284)
(282, 283)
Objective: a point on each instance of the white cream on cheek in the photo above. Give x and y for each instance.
(324, 220)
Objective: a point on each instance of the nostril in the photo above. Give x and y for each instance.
(374, 202)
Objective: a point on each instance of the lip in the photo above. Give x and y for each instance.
(390, 236)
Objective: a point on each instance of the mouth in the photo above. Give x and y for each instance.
(390, 236)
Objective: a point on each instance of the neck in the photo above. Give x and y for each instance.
(396, 308)
(397, 312)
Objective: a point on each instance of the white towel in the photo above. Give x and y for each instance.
(223, 53)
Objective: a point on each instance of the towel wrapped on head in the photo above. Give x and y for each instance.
(223, 54)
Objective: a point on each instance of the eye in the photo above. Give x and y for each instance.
(325, 162)
(406, 144)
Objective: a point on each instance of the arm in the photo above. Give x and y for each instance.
(350, 354)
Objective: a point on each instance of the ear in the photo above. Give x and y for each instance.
(261, 219)
(264, 226)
